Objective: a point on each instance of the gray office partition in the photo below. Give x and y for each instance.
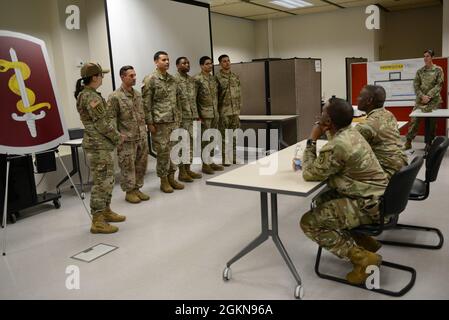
(295, 88)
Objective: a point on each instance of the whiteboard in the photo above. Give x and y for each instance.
(140, 28)
(396, 77)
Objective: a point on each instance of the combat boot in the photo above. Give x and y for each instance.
(194, 175)
(361, 259)
(132, 197)
(207, 169)
(408, 145)
(111, 216)
(165, 186)
(99, 225)
(183, 175)
(174, 184)
(216, 167)
(366, 242)
(142, 196)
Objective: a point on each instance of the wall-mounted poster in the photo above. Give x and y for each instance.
(31, 118)
(397, 79)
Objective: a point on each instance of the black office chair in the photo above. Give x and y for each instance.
(420, 191)
(392, 203)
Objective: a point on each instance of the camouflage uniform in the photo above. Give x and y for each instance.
(133, 152)
(229, 106)
(427, 82)
(355, 180)
(381, 131)
(188, 89)
(160, 95)
(207, 102)
(100, 139)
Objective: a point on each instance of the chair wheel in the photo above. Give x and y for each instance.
(83, 195)
(227, 274)
(299, 292)
(57, 203)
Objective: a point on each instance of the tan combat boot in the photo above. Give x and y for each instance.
(361, 259)
(194, 175)
(142, 196)
(111, 216)
(408, 145)
(207, 169)
(132, 197)
(183, 175)
(175, 184)
(216, 167)
(99, 225)
(366, 242)
(165, 186)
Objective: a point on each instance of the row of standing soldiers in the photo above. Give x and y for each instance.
(167, 103)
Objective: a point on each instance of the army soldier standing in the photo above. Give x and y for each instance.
(229, 105)
(160, 95)
(207, 102)
(100, 139)
(355, 180)
(428, 82)
(380, 129)
(188, 90)
(133, 152)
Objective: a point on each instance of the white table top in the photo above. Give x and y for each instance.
(283, 179)
(267, 117)
(438, 113)
(75, 142)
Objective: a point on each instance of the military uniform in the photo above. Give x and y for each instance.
(355, 180)
(133, 152)
(160, 95)
(100, 139)
(381, 131)
(207, 102)
(188, 89)
(427, 82)
(229, 106)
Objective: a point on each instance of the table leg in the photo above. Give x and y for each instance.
(71, 172)
(268, 138)
(76, 164)
(281, 137)
(263, 235)
(277, 241)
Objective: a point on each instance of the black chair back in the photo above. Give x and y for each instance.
(398, 190)
(435, 157)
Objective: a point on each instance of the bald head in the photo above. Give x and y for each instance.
(371, 97)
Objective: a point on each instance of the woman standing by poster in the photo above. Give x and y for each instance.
(428, 82)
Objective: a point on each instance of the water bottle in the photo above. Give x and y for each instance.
(297, 162)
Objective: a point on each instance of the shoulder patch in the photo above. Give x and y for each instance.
(94, 103)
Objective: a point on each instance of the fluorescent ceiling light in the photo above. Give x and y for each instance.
(291, 4)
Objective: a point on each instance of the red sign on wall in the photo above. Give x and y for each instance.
(31, 118)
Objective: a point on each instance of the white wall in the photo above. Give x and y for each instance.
(445, 33)
(331, 36)
(233, 36)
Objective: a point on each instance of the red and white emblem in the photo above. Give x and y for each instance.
(31, 118)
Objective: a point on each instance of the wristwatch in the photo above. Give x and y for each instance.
(311, 142)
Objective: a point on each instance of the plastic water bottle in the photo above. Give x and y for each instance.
(297, 162)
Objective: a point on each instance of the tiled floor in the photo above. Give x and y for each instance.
(175, 247)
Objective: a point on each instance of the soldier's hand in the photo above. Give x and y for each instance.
(317, 132)
(152, 128)
(425, 99)
(122, 138)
